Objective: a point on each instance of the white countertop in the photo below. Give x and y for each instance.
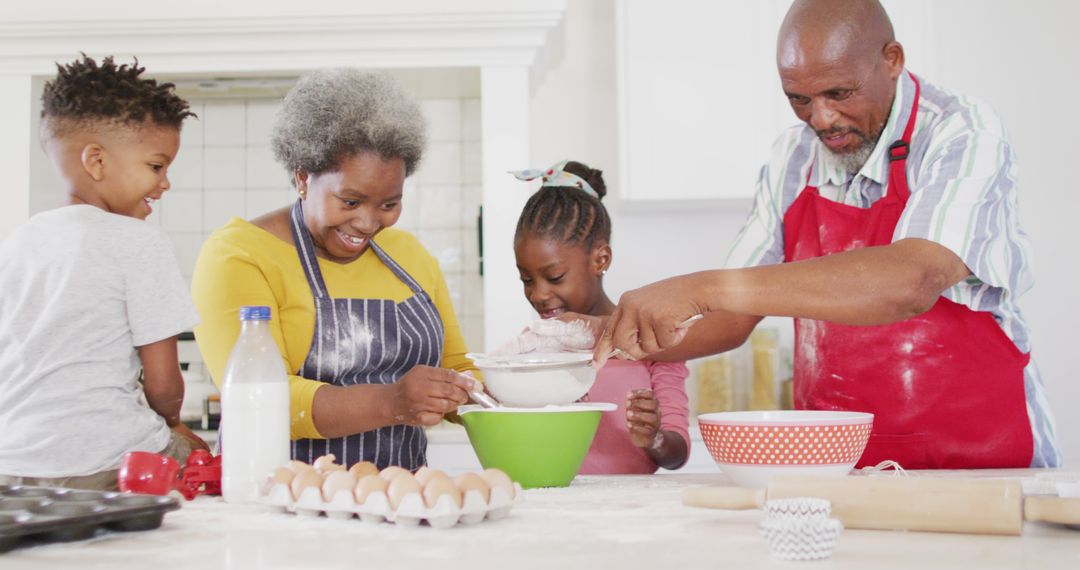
(619, 522)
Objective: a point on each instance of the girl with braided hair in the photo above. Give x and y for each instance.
(563, 250)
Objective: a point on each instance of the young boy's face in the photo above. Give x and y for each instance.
(559, 277)
(134, 173)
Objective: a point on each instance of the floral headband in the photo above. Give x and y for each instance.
(556, 176)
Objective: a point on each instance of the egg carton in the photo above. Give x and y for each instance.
(411, 511)
(46, 514)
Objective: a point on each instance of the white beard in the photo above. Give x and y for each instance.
(853, 162)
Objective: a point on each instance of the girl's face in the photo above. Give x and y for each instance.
(346, 207)
(560, 277)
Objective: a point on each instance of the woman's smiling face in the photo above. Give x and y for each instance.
(344, 208)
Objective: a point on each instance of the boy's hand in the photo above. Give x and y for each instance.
(643, 418)
(185, 432)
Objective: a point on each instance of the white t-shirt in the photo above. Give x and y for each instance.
(80, 288)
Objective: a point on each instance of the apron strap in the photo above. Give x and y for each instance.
(898, 151)
(306, 248)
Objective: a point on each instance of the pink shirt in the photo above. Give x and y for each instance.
(611, 450)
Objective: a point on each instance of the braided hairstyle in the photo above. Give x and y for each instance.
(85, 94)
(568, 213)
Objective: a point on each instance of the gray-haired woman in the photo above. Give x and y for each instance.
(361, 311)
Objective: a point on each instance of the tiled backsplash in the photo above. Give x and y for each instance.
(226, 168)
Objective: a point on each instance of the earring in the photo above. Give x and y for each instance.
(303, 194)
(603, 272)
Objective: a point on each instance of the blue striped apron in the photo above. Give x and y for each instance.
(367, 341)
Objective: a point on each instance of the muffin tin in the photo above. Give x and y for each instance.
(411, 512)
(29, 514)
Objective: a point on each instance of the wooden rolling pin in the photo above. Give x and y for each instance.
(975, 506)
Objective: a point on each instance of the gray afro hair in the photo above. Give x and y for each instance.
(331, 114)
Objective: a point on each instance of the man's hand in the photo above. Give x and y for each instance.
(651, 319)
(424, 394)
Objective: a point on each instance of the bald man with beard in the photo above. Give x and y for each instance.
(886, 224)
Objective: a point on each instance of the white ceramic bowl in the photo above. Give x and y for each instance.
(752, 447)
(537, 379)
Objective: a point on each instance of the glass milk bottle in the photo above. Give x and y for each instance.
(254, 409)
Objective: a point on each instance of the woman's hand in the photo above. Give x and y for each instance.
(424, 394)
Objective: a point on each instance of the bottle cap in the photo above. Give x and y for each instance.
(254, 313)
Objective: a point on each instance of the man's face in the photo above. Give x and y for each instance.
(845, 98)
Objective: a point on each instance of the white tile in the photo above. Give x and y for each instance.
(221, 205)
(441, 164)
(263, 171)
(191, 132)
(472, 293)
(259, 202)
(470, 206)
(260, 120)
(440, 207)
(472, 328)
(470, 120)
(471, 251)
(186, 173)
(183, 213)
(454, 287)
(471, 173)
(223, 167)
(410, 207)
(446, 246)
(187, 247)
(443, 119)
(223, 123)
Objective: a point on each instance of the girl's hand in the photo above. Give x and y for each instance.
(424, 394)
(643, 418)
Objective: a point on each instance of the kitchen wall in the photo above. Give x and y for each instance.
(1018, 56)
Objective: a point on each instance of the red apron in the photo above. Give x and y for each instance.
(946, 387)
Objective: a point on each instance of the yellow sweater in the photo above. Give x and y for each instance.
(242, 264)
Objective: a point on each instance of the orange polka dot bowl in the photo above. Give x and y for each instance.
(752, 447)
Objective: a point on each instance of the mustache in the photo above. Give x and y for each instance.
(840, 131)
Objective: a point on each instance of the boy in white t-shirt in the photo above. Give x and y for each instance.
(92, 293)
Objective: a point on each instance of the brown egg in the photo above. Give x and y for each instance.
(303, 480)
(499, 480)
(281, 475)
(363, 469)
(425, 474)
(400, 487)
(327, 464)
(473, 482)
(393, 471)
(335, 482)
(298, 466)
(367, 485)
(439, 487)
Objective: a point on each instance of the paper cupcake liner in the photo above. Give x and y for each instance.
(798, 508)
(801, 539)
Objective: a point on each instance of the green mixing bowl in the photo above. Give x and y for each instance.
(537, 447)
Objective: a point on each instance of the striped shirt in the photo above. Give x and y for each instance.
(963, 179)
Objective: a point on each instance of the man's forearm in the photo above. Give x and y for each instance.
(867, 286)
